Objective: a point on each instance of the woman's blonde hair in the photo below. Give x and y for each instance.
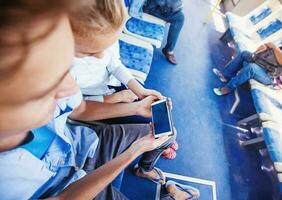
(97, 16)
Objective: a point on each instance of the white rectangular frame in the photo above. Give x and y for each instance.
(189, 179)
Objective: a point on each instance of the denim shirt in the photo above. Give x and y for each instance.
(24, 176)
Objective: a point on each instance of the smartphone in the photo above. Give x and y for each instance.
(162, 118)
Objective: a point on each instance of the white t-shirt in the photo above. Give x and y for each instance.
(93, 75)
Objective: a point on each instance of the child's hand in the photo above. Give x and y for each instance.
(147, 92)
(126, 96)
(144, 106)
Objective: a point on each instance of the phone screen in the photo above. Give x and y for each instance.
(161, 118)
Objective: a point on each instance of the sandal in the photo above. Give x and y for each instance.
(140, 172)
(169, 153)
(219, 92)
(219, 75)
(191, 191)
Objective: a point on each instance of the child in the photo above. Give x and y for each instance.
(97, 62)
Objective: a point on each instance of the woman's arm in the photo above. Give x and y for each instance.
(92, 184)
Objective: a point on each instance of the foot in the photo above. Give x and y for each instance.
(244, 136)
(221, 91)
(156, 175)
(181, 192)
(174, 146)
(170, 57)
(219, 75)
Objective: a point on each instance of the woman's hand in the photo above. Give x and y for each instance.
(147, 143)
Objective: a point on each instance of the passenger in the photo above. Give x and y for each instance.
(36, 52)
(171, 12)
(246, 66)
(97, 60)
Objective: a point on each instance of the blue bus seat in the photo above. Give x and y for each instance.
(147, 28)
(272, 137)
(260, 26)
(267, 100)
(137, 56)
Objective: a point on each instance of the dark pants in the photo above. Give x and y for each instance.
(176, 21)
(115, 139)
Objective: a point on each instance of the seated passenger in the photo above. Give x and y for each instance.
(264, 66)
(36, 52)
(97, 58)
(171, 12)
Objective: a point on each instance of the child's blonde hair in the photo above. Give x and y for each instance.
(98, 16)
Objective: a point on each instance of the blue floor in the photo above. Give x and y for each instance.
(208, 144)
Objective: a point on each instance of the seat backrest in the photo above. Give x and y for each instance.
(271, 28)
(270, 4)
(256, 18)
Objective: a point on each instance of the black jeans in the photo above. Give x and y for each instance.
(115, 139)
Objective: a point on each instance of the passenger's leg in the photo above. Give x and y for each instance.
(176, 21)
(250, 71)
(113, 140)
(236, 64)
(149, 159)
(110, 193)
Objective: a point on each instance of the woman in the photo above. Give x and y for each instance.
(246, 66)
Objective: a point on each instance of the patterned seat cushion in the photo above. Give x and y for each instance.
(262, 14)
(271, 28)
(273, 143)
(135, 57)
(266, 104)
(145, 29)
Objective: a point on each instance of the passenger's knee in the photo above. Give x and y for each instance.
(245, 53)
(181, 17)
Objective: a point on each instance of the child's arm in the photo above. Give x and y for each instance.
(140, 91)
(124, 96)
(91, 110)
(123, 75)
